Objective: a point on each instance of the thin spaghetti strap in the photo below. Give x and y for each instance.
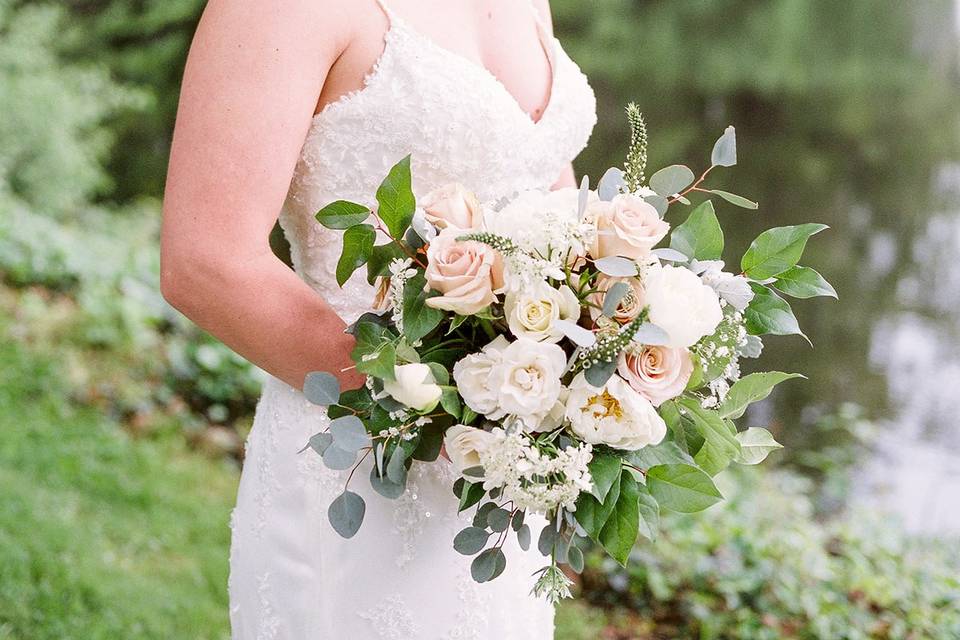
(386, 10)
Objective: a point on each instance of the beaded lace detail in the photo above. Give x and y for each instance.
(292, 577)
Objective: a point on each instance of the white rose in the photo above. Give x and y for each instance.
(680, 304)
(472, 374)
(413, 386)
(532, 312)
(615, 415)
(464, 445)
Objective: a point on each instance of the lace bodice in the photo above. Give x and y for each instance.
(458, 122)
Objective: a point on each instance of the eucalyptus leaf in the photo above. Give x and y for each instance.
(682, 488)
(734, 199)
(349, 433)
(751, 388)
(777, 250)
(471, 540)
(498, 519)
(547, 540)
(484, 566)
(616, 266)
(804, 282)
(338, 459)
(575, 558)
(651, 334)
(384, 486)
(700, 236)
(657, 202)
(670, 255)
(725, 149)
(523, 537)
(583, 197)
(321, 388)
(611, 184)
(611, 301)
(577, 334)
(755, 444)
(396, 200)
(346, 513)
(671, 180)
(396, 468)
(342, 214)
(320, 441)
(598, 374)
(357, 248)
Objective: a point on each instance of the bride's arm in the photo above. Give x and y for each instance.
(249, 92)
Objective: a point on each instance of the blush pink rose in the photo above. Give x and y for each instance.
(626, 226)
(466, 273)
(630, 305)
(657, 373)
(452, 205)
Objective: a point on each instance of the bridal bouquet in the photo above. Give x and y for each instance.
(575, 352)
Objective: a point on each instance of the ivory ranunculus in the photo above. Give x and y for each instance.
(466, 273)
(615, 415)
(680, 304)
(472, 375)
(452, 205)
(413, 386)
(464, 444)
(531, 313)
(626, 226)
(657, 373)
(630, 305)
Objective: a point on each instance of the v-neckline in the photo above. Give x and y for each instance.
(550, 52)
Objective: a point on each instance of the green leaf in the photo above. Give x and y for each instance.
(649, 514)
(667, 452)
(604, 469)
(755, 444)
(431, 440)
(671, 180)
(750, 389)
(378, 264)
(719, 446)
(349, 433)
(488, 565)
(471, 540)
(418, 318)
(450, 401)
(321, 388)
(342, 214)
(346, 513)
(804, 282)
(682, 488)
(593, 514)
(769, 313)
(700, 236)
(725, 149)
(382, 364)
(357, 247)
(733, 198)
(619, 534)
(777, 250)
(472, 494)
(396, 199)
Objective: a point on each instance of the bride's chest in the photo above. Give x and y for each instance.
(458, 122)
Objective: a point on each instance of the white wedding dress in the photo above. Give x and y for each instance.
(292, 577)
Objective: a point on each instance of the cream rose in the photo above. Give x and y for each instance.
(466, 273)
(680, 304)
(464, 445)
(530, 313)
(626, 226)
(615, 415)
(630, 305)
(452, 205)
(657, 373)
(472, 374)
(413, 386)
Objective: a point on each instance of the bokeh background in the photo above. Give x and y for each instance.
(121, 425)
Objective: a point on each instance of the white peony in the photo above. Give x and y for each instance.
(472, 375)
(543, 222)
(464, 445)
(615, 415)
(680, 304)
(413, 387)
(521, 379)
(532, 312)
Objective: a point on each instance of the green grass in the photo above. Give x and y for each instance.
(101, 535)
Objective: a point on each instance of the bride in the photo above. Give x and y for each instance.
(286, 107)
